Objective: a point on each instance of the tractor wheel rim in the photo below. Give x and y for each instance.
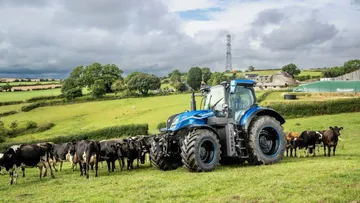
(269, 141)
(207, 151)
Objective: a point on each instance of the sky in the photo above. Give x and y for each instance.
(48, 38)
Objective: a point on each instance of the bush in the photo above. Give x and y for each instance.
(314, 108)
(10, 103)
(73, 93)
(105, 133)
(8, 113)
(263, 96)
(161, 125)
(30, 125)
(44, 98)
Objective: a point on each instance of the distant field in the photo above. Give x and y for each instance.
(23, 95)
(279, 97)
(16, 107)
(310, 179)
(271, 72)
(29, 83)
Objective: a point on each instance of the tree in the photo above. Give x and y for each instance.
(251, 68)
(110, 73)
(7, 87)
(194, 78)
(180, 86)
(175, 76)
(291, 68)
(144, 82)
(131, 75)
(74, 81)
(118, 86)
(71, 94)
(217, 78)
(351, 66)
(98, 89)
(92, 73)
(206, 74)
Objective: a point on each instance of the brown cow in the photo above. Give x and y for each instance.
(290, 136)
(330, 139)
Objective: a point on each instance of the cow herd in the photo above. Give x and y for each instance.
(87, 154)
(308, 140)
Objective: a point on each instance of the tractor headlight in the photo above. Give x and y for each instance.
(175, 121)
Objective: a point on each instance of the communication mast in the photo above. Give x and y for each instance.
(228, 54)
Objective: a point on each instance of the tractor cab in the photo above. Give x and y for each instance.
(230, 99)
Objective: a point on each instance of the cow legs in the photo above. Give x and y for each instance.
(108, 164)
(61, 163)
(334, 150)
(112, 165)
(23, 171)
(40, 171)
(16, 174)
(81, 169)
(329, 150)
(96, 167)
(324, 150)
(87, 170)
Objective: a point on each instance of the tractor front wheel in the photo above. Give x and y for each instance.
(266, 141)
(200, 151)
(160, 161)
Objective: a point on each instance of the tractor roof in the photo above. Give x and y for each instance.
(242, 82)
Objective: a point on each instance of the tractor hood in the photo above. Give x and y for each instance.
(198, 117)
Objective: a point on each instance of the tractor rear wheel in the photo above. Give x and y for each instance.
(266, 143)
(200, 151)
(160, 161)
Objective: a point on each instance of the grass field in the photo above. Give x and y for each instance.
(24, 95)
(94, 115)
(310, 179)
(29, 83)
(271, 72)
(279, 97)
(16, 107)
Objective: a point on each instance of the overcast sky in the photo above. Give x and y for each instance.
(49, 38)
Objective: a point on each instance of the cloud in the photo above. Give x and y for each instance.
(52, 37)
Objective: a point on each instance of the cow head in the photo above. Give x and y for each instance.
(336, 130)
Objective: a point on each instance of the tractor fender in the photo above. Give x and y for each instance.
(208, 127)
(261, 112)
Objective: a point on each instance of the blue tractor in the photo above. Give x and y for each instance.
(230, 128)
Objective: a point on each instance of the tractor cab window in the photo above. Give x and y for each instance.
(240, 101)
(215, 99)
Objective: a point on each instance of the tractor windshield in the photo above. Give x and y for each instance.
(240, 102)
(215, 98)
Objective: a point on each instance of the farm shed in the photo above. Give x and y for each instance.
(330, 86)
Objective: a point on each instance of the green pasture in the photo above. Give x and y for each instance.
(29, 83)
(77, 118)
(309, 179)
(16, 107)
(271, 72)
(24, 95)
(301, 97)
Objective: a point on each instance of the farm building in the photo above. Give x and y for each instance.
(330, 86)
(276, 81)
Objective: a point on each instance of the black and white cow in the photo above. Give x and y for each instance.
(307, 141)
(26, 155)
(133, 151)
(110, 152)
(61, 153)
(86, 153)
(145, 143)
